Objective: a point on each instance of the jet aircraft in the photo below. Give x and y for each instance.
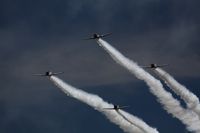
(154, 66)
(97, 36)
(116, 107)
(49, 74)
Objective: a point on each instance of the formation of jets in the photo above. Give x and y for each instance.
(97, 36)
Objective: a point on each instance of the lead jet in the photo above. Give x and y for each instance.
(116, 107)
(154, 66)
(97, 36)
(48, 74)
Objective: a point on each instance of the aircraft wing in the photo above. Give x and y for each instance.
(89, 38)
(38, 74)
(58, 73)
(106, 34)
(122, 107)
(164, 65)
(146, 66)
(109, 108)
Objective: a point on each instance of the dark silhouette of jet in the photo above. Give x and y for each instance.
(48, 74)
(155, 66)
(97, 36)
(116, 107)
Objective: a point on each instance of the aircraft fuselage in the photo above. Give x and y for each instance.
(154, 65)
(116, 107)
(48, 73)
(96, 36)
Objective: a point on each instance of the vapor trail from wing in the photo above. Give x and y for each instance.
(97, 103)
(170, 104)
(190, 98)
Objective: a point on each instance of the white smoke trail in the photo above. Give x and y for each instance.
(130, 118)
(170, 104)
(136, 125)
(191, 99)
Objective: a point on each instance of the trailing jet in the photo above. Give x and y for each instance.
(97, 36)
(116, 107)
(48, 73)
(154, 66)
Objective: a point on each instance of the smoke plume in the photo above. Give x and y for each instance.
(170, 104)
(190, 98)
(97, 103)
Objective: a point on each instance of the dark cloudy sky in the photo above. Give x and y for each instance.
(41, 35)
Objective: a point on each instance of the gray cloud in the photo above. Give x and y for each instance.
(36, 36)
(87, 63)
